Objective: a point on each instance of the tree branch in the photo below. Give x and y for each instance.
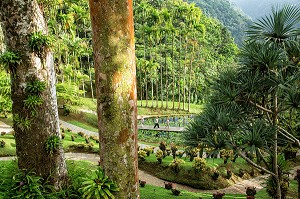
(291, 137)
(254, 164)
(260, 107)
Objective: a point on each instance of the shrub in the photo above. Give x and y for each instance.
(81, 134)
(142, 183)
(2, 144)
(142, 154)
(176, 192)
(87, 140)
(163, 147)
(228, 173)
(159, 156)
(27, 184)
(272, 188)
(251, 191)
(3, 133)
(218, 195)
(226, 154)
(63, 136)
(72, 137)
(98, 186)
(148, 150)
(176, 163)
(168, 185)
(199, 164)
(173, 149)
(215, 174)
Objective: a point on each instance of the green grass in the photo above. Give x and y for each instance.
(142, 110)
(151, 192)
(10, 147)
(90, 104)
(83, 125)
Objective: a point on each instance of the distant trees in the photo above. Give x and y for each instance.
(181, 48)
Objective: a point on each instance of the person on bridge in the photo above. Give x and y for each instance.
(156, 123)
(168, 123)
(142, 120)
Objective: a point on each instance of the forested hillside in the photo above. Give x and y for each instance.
(231, 17)
(178, 51)
(259, 8)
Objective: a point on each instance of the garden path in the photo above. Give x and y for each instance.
(238, 187)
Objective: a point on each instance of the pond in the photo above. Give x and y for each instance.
(175, 120)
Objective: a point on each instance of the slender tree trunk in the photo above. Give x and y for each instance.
(33, 125)
(275, 159)
(173, 74)
(167, 91)
(114, 57)
(190, 77)
(179, 72)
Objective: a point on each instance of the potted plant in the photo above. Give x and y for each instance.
(250, 191)
(168, 185)
(142, 183)
(218, 195)
(176, 192)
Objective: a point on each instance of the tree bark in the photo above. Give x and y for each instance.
(115, 74)
(20, 19)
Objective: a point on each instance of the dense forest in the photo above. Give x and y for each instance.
(229, 15)
(178, 50)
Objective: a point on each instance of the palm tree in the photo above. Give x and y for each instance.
(260, 94)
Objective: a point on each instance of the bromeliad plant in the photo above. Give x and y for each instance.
(39, 42)
(52, 144)
(98, 186)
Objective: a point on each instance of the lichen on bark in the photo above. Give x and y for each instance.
(113, 45)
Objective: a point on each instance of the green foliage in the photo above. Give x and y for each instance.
(233, 19)
(98, 186)
(142, 154)
(21, 123)
(199, 164)
(159, 155)
(35, 87)
(52, 144)
(2, 143)
(39, 42)
(10, 60)
(176, 164)
(5, 91)
(26, 184)
(33, 101)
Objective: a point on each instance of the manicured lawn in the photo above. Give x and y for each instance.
(151, 192)
(10, 147)
(78, 145)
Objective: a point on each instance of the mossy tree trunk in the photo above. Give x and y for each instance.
(115, 75)
(33, 125)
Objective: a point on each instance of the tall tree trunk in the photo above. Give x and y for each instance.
(33, 125)
(166, 86)
(179, 73)
(114, 57)
(173, 74)
(275, 146)
(190, 77)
